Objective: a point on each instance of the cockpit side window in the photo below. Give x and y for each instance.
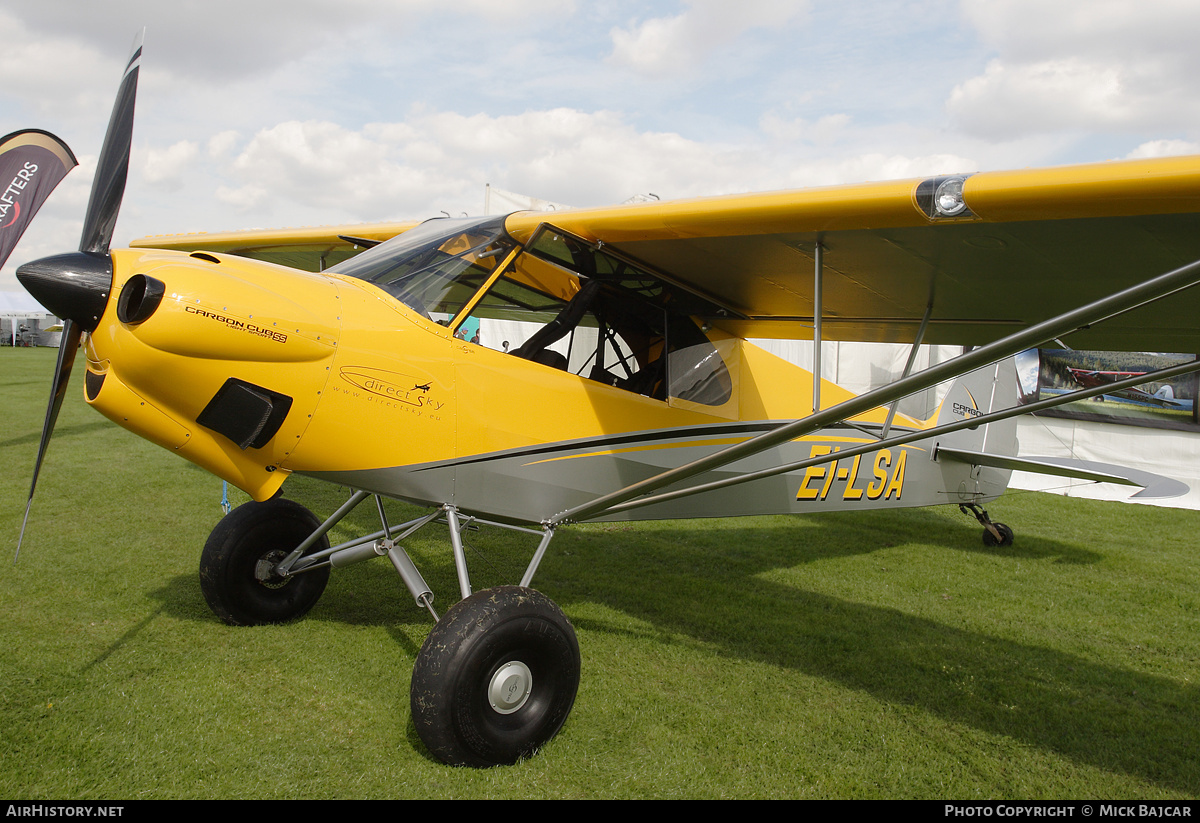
(603, 318)
(576, 325)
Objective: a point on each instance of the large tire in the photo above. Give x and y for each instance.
(496, 678)
(235, 585)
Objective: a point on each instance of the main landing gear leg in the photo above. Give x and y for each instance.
(994, 534)
(495, 679)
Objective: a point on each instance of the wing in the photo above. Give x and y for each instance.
(991, 253)
(311, 248)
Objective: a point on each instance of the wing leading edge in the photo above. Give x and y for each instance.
(1028, 245)
(311, 248)
(1024, 246)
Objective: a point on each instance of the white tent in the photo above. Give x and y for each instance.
(18, 308)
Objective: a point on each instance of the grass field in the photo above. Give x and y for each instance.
(886, 654)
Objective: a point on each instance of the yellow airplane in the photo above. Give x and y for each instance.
(534, 370)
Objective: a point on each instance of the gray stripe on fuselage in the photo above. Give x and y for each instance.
(530, 484)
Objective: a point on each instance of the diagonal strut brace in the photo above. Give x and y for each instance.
(1133, 297)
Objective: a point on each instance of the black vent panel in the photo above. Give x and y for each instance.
(247, 414)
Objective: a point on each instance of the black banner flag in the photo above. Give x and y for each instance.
(32, 163)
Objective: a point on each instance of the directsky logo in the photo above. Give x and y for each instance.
(392, 385)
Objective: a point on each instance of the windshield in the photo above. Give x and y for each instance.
(436, 267)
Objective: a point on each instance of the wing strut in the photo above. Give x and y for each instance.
(818, 310)
(912, 357)
(1095, 312)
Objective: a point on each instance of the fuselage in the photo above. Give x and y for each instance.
(453, 381)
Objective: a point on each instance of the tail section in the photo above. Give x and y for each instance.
(975, 394)
(989, 389)
(991, 450)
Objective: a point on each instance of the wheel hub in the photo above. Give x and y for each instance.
(264, 570)
(510, 686)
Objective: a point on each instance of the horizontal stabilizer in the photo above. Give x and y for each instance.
(1153, 485)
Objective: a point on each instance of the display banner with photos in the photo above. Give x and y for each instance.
(1046, 373)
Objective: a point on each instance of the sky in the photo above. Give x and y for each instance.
(317, 112)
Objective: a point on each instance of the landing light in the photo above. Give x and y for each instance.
(942, 198)
(949, 197)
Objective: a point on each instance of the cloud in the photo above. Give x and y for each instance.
(218, 41)
(1164, 148)
(1085, 65)
(222, 144)
(823, 131)
(673, 45)
(870, 166)
(1008, 100)
(340, 174)
(165, 168)
(244, 198)
(50, 68)
(440, 160)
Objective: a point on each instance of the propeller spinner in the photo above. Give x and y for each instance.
(75, 286)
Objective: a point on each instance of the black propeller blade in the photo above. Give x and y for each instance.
(112, 169)
(71, 333)
(76, 286)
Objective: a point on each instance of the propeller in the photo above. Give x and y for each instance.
(75, 286)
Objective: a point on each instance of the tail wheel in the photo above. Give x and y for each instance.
(237, 566)
(1006, 536)
(496, 678)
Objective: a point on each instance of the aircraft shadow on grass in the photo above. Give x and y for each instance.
(1092, 713)
(1095, 714)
